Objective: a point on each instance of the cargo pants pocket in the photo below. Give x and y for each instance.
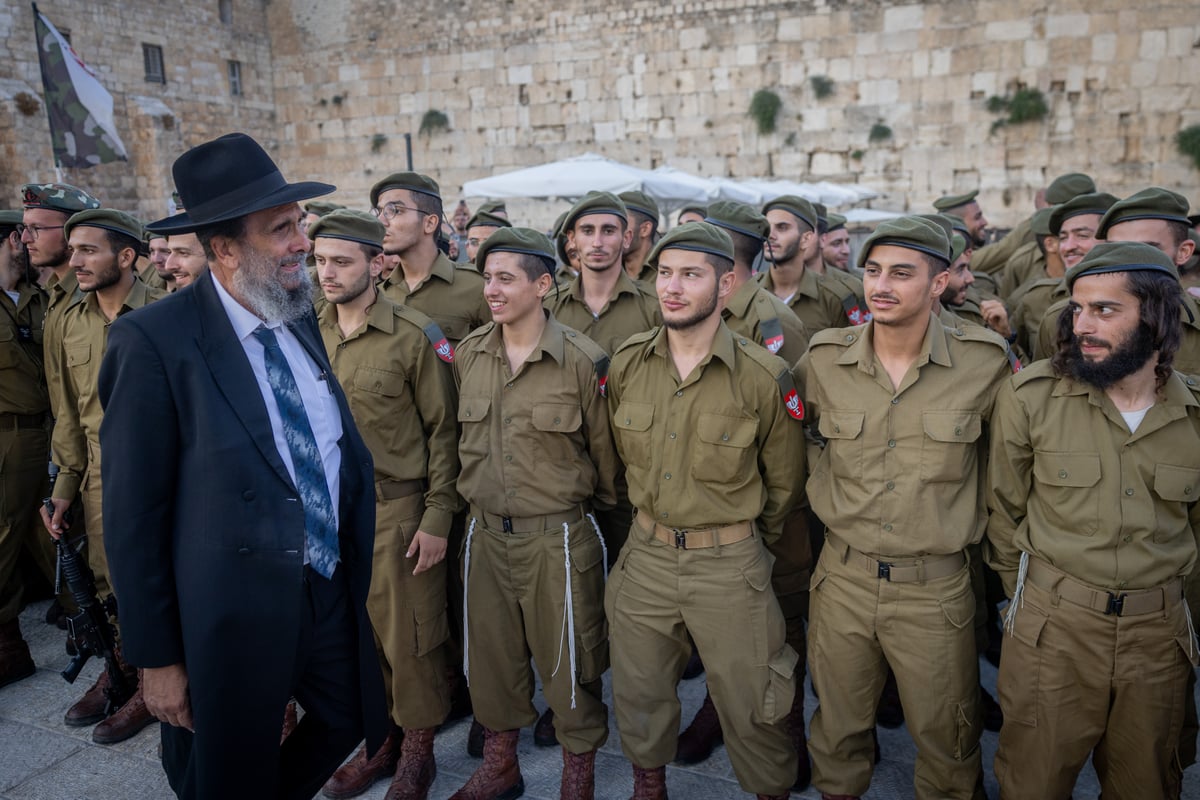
(780, 689)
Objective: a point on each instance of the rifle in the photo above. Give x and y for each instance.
(91, 629)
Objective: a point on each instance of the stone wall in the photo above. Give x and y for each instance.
(332, 87)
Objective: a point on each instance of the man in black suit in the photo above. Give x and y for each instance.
(240, 499)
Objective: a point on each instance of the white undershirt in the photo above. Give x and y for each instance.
(1134, 418)
(14, 296)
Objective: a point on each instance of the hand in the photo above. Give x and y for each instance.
(165, 690)
(996, 317)
(55, 524)
(431, 549)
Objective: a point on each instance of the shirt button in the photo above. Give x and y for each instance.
(1121, 585)
(958, 431)
(556, 420)
(890, 485)
(511, 493)
(1062, 473)
(469, 414)
(888, 527)
(508, 420)
(508, 386)
(1127, 539)
(895, 401)
(837, 428)
(508, 458)
(891, 442)
(679, 393)
(1187, 490)
(667, 476)
(628, 421)
(663, 515)
(671, 435)
(724, 437)
(1129, 492)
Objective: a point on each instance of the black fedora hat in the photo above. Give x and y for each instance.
(228, 178)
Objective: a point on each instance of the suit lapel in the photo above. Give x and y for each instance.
(226, 359)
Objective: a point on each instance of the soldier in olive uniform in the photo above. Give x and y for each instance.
(643, 227)
(848, 286)
(835, 244)
(479, 227)
(155, 273)
(901, 404)
(104, 245)
(707, 424)
(410, 207)
(386, 357)
(24, 407)
(536, 453)
(1094, 475)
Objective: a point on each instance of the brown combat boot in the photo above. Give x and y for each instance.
(127, 722)
(697, 742)
(649, 784)
(578, 776)
(361, 772)
(417, 768)
(15, 662)
(794, 724)
(543, 731)
(499, 776)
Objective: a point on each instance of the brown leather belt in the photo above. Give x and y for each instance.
(902, 570)
(388, 489)
(1120, 604)
(495, 522)
(10, 421)
(696, 538)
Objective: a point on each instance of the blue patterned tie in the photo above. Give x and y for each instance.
(319, 524)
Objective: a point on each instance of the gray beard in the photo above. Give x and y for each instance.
(260, 289)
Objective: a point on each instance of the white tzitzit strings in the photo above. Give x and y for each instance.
(466, 584)
(568, 626)
(1018, 597)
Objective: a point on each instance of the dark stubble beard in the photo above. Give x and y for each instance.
(259, 284)
(1124, 360)
(702, 313)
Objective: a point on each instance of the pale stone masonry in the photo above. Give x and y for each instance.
(331, 88)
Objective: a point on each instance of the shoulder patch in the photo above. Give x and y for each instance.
(478, 333)
(839, 336)
(791, 398)
(596, 353)
(854, 312)
(638, 339)
(1038, 370)
(772, 333)
(978, 333)
(431, 330)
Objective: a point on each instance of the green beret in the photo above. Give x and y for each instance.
(596, 203)
(348, 224)
(701, 210)
(1122, 257)
(949, 201)
(107, 218)
(835, 222)
(958, 224)
(1039, 223)
(321, 207)
(915, 233)
(822, 212)
(739, 218)
(699, 237)
(149, 235)
(494, 207)
(11, 217)
(1064, 187)
(1096, 203)
(517, 240)
(943, 221)
(58, 197)
(1194, 220)
(797, 206)
(485, 219)
(559, 232)
(641, 203)
(412, 181)
(958, 246)
(1152, 203)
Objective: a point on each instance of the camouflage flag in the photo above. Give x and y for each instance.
(82, 130)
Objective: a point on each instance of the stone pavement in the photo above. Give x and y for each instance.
(42, 759)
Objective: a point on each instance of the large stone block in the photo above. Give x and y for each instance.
(903, 18)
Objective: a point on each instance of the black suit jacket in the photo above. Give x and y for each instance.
(203, 527)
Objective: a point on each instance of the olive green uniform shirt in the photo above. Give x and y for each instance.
(151, 278)
(1027, 264)
(992, 258)
(1029, 305)
(77, 429)
(716, 447)
(849, 289)
(452, 296)
(535, 442)
(762, 317)
(816, 304)
(1072, 486)
(62, 294)
(901, 473)
(631, 309)
(22, 370)
(403, 400)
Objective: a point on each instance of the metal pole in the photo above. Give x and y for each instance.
(408, 150)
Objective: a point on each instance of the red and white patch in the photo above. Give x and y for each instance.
(794, 407)
(604, 386)
(774, 343)
(857, 316)
(444, 351)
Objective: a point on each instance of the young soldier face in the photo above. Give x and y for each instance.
(405, 224)
(1154, 232)
(899, 285)
(343, 269)
(1077, 237)
(689, 291)
(158, 257)
(510, 293)
(1110, 341)
(185, 258)
(477, 236)
(96, 265)
(972, 214)
(601, 239)
(960, 280)
(835, 248)
(49, 248)
(785, 241)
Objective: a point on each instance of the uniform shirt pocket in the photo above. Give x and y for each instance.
(472, 411)
(842, 430)
(631, 429)
(1066, 483)
(1178, 484)
(9, 348)
(557, 418)
(948, 450)
(379, 381)
(78, 359)
(724, 447)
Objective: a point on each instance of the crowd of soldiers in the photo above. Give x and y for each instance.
(723, 447)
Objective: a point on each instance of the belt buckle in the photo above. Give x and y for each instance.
(506, 524)
(680, 538)
(885, 571)
(1116, 604)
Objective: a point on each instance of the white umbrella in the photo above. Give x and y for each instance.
(869, 215)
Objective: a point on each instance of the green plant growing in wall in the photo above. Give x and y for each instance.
(378, 141)
(879, 133)
(27, 104)
(433, 122)
(1188, 142)
(1024, 105)
(764, 108)
(822, 85)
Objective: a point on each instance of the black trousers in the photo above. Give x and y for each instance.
(325, 681)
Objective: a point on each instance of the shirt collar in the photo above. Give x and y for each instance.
(245, 322)
(862, 349)
(551, 342)
(722, 346)
(739, 302)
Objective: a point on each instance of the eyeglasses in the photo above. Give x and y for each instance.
(390, 210)
(36, 230)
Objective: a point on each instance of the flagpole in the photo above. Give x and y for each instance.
(46, 91)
